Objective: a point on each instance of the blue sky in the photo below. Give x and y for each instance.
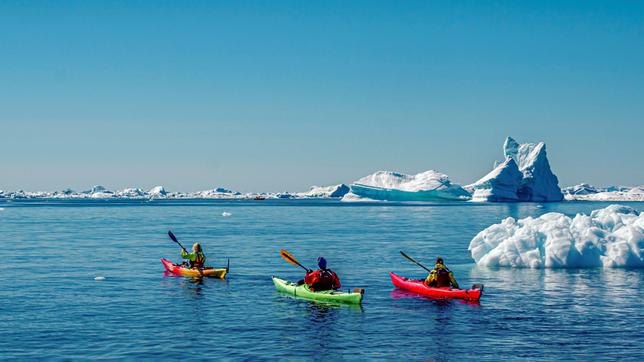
(272, 96)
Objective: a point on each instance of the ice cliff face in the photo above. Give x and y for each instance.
(536, 182)
(500, 185)
(610, 237)
(393, 186)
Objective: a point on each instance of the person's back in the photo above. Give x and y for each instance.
(197, 258)
(322, 279)
(441, 277)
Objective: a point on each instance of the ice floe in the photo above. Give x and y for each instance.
(325, 191)
(609, 237)
(393, 186)
(586, 192)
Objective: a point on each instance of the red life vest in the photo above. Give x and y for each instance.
(322, 280)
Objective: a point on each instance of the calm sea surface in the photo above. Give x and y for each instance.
(52, 308)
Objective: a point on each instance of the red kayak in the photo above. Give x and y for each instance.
(417, 286)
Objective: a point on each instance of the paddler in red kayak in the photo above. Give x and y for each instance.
(322, 279)
(441, 276)
(197, 258)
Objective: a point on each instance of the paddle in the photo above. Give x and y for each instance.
(414, 261)
(174, 238)
(291, 260)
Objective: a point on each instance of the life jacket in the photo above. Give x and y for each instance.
(326, 281)
(442, 278)
(199, 260)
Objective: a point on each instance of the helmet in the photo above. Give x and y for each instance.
(322, 262)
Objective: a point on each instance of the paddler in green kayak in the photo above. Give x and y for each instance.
(441, 277)
(322, 279)
(197, 258)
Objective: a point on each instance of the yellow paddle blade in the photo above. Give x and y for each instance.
(288, 257)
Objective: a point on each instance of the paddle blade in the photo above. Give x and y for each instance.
(289, 257)
(171, 235)
(407, 256)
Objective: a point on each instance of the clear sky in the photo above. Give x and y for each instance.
(273, 96)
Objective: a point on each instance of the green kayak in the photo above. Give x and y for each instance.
(303, 291)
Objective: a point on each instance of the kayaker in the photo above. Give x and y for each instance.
(197, 258)
(441, 276)
(322, 279)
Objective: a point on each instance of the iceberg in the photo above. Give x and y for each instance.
(393, 186)
(501, 184)
(157, 191)
(586, 192)
(325, 191)
(609, 237)
(537, 182)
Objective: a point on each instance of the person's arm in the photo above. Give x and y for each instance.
(430, 278)
(312, 278)
(453, 280)
(186, 255)
(336, 281)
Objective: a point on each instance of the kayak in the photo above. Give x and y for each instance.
(185, 271)
(303, 291)
(418, 286)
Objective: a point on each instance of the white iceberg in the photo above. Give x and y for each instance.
(325, 191)
(393, 186)
(586, 192)
(501, 184)
(157, 191)
(537, 182)
(609, 237)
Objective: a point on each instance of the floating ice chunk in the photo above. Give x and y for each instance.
(325, 191)
(394, 186)
(157, 191)
(610, 237)
(226, 214)
(99, 278)
(585, 192)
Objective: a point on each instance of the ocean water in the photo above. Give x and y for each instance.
(53, 308)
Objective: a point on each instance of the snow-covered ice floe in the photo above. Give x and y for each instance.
(609, 237)
(525, 175)
(323, 192)
(586, 192)
(393, 186)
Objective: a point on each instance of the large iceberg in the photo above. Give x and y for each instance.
(501, 184)
(609, 237)
(393, 186)
(536, 181)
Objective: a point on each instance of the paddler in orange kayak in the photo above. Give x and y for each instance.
(441, 276)
(197, 258)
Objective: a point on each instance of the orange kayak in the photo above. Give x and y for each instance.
(183, 270)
